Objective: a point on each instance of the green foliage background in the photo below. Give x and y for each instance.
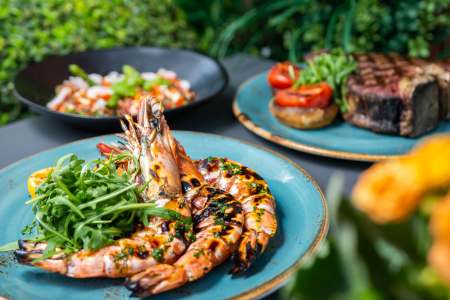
(283, 29)
(277, 29)
(32, 29)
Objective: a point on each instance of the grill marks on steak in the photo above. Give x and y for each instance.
(441, 71)
(397, 95)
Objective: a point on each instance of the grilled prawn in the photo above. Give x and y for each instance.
(162, 241)
(257, 202)
(218, 223)
(253, 193)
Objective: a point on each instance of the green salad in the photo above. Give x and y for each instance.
(89, 204)
(332, 67)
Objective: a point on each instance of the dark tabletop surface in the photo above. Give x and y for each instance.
(35, 134)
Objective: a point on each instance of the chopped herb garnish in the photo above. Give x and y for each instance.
(183, 228)
(142, 252)
(191, 237)
(158, 254)
(199, 253)
(257, 188)
(219, 221)
(231, 168)
(259, 213)
(121, 256)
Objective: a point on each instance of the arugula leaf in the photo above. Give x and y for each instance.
(87, 205)
(333, 67)
(9, 247)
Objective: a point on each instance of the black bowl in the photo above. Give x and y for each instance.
(35, 85)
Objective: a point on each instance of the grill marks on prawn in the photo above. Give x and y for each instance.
(258, 204)
(160, 240)
(218, 222)
(232, 210)
(220, 207)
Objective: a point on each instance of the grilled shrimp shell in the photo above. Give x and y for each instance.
(258, 205)
(162, 241)
(218, 223)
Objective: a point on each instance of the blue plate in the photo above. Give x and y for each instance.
(340, 140)
(301, 211)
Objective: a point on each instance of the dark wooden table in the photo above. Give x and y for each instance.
(32, 135)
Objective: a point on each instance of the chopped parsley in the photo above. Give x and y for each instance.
(191, 237)
(259, 213)
(199, 253)
(142, 251)
(171, 238)
(219, 221)
(231, 168)
(123, 255)
(158, 254)
(258, 188)
(183, 228)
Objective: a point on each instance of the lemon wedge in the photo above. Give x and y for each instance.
(36, 179)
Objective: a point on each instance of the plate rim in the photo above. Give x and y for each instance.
(302, 147)
(270, 285)
(43, 108)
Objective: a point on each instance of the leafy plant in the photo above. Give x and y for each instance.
(282, 29)
(361, 260)
(208, 18)
(30, 30)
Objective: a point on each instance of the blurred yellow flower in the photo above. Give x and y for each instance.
(391, 190)
(433, 156)
(439, 254)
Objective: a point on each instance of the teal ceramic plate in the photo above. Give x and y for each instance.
(301, 211)
(339, 140)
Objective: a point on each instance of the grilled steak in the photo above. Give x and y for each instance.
(397, 95)
(441, 70)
